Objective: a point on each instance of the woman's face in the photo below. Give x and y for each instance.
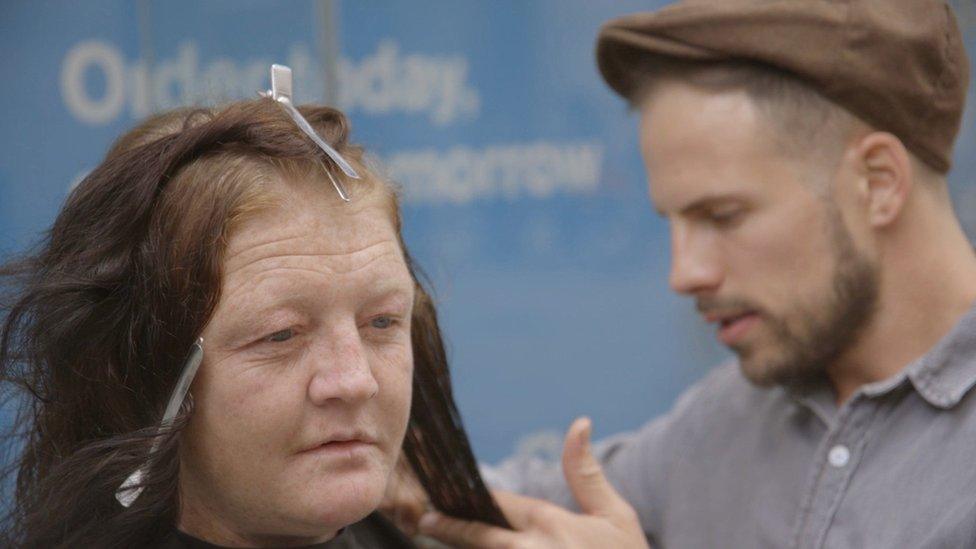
(303, 397)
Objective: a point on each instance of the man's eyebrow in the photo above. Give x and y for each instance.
(708, 201)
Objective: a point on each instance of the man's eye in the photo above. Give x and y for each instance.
(725, 217)
(280, 336)
(382, 322)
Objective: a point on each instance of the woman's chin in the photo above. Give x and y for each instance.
(308, 512)
(343, 500)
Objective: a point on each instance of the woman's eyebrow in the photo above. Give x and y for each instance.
(247, 319)
(390, 289)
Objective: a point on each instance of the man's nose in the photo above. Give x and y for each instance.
(695, 267)
(342, 371)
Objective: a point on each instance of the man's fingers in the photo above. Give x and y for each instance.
(405, 500)
(464, 533)
(584, 475)
(520, 510)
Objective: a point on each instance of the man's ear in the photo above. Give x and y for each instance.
(886, 174)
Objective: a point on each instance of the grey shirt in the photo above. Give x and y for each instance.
(733, 465)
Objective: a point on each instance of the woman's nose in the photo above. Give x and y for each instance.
(342, 372)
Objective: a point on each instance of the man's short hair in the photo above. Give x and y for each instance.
(806, 122)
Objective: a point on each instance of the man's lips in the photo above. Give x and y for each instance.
(733, 326)
(725, 317)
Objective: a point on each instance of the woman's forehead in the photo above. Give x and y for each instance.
(306, 231)
(307, 216)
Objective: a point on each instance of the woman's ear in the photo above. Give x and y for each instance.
(886, 174)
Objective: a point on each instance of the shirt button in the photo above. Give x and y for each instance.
(839, 456)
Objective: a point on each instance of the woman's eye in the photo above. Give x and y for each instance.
(280, 336)
(382, 322)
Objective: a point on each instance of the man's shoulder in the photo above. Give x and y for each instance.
(726, 387)
(724, 397)
(715, 418)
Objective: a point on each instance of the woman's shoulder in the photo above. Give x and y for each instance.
(373, 532)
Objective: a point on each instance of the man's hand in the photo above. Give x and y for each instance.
(405, 500)
(607, 520)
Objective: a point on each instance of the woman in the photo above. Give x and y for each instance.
(316, 338)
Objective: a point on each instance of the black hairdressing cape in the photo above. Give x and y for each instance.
(373, 532)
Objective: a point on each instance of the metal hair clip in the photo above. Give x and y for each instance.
(129, 490)
(281, 92)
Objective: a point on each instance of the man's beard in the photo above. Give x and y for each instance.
(805, 347)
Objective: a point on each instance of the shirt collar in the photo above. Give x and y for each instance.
(942, 376)
(947, 372)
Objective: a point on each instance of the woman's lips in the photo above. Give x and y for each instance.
(733, 329)
(340, 448)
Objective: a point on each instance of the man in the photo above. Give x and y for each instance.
(798, 150)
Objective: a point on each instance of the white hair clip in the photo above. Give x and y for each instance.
(130, 489)
(280, 92)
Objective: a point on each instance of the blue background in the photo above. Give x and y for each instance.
(524, 194)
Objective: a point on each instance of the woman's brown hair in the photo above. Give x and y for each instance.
(99, 319)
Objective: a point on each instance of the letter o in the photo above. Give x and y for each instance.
(93, 53)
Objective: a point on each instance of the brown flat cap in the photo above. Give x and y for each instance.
(899, 65)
